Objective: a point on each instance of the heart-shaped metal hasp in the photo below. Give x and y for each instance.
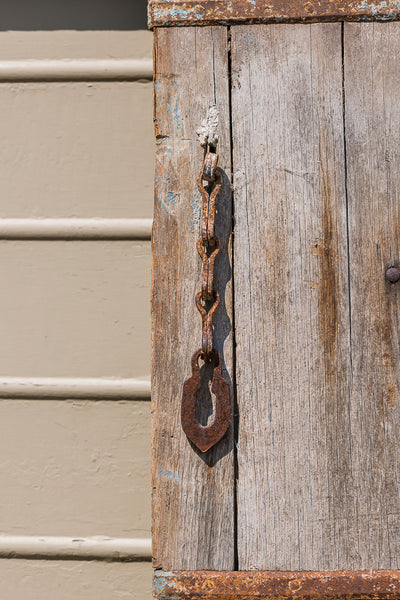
(206, 436)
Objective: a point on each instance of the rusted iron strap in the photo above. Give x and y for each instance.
(277, 585)
(166, 13)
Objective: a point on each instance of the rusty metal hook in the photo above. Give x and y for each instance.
(205, 436)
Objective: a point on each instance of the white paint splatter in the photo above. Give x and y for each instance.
(207, 131)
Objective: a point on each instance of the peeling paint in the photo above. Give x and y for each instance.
(160, 580)
(172, 12)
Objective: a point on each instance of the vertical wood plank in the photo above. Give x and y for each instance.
(372, 91)
(291, 299)
(193, 494)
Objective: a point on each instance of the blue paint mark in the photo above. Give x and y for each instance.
(249, 40)
(159, 200)
(168, 15)
(169, 474)
(168, 201)
(171, 198)
(176, 116)
(168, 106)
(375, 9)
(169, 151)
(184, 14)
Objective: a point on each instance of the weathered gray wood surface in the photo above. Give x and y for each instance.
(295, 508)
(317, 222)
(372, 92)
(193, 494)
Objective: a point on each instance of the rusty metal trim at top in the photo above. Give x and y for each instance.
(277, 585)
(167, 13)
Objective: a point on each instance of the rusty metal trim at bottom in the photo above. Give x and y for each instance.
(277, 585)
(167, 13)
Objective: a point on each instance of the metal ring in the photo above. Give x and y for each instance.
(210, 166)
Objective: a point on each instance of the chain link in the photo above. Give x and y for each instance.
(208, 247)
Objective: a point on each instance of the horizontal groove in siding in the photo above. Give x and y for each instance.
(54, 388)
(87, 548)
(75, 229)
(77, 70)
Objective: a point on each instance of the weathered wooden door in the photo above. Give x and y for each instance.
(306, 478)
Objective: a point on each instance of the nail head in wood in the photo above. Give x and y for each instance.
(393, 274)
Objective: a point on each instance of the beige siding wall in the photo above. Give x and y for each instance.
(71, 310)
(71, 580)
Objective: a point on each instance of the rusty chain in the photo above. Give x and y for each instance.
(208, 247)
(207, 301)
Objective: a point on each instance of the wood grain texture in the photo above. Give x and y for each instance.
(193, 494)
(291, 299)
(372, 90)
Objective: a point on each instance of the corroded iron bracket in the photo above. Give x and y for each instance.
(277, 585)
(166, 13)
